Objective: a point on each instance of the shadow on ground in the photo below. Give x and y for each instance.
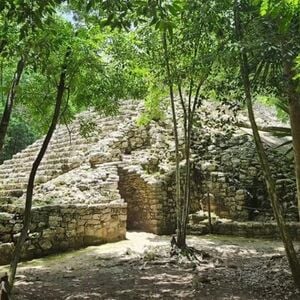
(141, 268)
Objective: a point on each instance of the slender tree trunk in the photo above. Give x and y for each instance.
(1, 82)
(181, 243)
(270, 183)
(294, 106)
(294, 112)
(27, 213)
(209, 213)
(187, 183)
(10, 101)
(3, 41)
(2, 45)
(189, 116)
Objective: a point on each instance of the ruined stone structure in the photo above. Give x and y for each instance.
(231, 176)
(89, 190)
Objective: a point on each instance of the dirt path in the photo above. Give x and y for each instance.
(141, 268)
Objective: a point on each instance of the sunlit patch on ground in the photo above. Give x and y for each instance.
(141, 268)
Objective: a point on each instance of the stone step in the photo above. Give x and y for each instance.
(26, 167)
(109, 131)
(23, 176)
(65, 157)
(28, 154)
(14, 180)
(21, 182)
(4, 200)
(59, 144)
(199, 229)
(12, 186)
(5, 217)
(51, 153)
(4, 172)
(13, 193)
(24, 170)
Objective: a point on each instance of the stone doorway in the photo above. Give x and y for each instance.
(137, 193)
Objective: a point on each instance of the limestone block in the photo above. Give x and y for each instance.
(75, 161)
(81, 222)
(101, 232)
(66, 220)
(6, 238)
(59, 230)
(18, 227)
(70, 233)
(34, 235)
(124, 145)
(92, 222)
(5, 217)
(6, 251)
(123, 217)
(67, 211)
(89, 231)
(80, 230)
(49, 233)
(39, 217)
(42, 225)
(111, 231)
(64, 245)
(45, 244)
(97, 158)
(252, 171)
(7, 228)
(240, 192)
(83, 187)
(106, 218)
(240, 198)
(71, 225)
(31, 248)
(54, 221)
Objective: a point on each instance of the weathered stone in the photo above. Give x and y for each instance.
(54, 220)
(45, 244)
(6, 251)
(5, 217)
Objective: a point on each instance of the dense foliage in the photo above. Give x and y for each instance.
(19, 136)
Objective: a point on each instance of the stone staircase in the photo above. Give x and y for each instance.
(76, 200)
(68, 150)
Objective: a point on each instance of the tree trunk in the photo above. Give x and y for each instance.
(188, 121)
(187, 182)
(294, 107)
(181, 243)
(271, 187)
(27, 213)
(294, 112)
(10, 101)
(3, 41)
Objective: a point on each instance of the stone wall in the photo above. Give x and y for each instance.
(228, 170)
(268, 230)
(58, 228)
(148, 206)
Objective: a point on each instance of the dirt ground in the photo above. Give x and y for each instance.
(141, 268)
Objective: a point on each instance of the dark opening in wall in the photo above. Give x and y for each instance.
(138, 195)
